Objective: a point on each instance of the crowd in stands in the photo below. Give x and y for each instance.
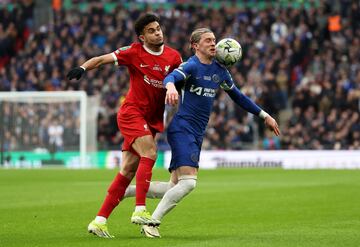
(30, 126)
(15, 28)
(302, 65)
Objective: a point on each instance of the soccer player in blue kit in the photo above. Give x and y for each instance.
(202, 76)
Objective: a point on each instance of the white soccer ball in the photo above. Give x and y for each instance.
(228, 52)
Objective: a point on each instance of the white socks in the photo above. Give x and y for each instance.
(156, 189)
(140, 208)
(100, 219)
(174, 195)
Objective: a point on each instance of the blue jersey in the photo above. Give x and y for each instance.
(198, 93)
(201, 83)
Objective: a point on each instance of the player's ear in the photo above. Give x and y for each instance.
(141, 37)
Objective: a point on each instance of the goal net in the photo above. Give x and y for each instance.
(48, 128)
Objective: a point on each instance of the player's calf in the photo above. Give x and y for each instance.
(173, 196)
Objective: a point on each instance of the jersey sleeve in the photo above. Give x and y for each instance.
(237, 96)
(183, 72)
(123, 55)
(185, 69)
(227, 83)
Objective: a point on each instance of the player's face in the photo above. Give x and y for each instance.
(206, 45)
(152, 35)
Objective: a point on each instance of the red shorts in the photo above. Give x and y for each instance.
(132, 125)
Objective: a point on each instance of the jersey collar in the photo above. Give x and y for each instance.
(158, 53)
(198, 60)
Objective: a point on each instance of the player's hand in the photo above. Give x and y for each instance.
(172, 95)
(272, 124)
(75, 73)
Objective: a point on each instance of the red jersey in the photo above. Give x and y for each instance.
(147, 71)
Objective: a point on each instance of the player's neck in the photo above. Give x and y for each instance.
(152, 49)
(204, 59)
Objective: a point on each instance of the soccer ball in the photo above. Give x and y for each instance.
(228, 52)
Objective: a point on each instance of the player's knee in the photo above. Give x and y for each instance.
(170, 184)
(146, 147)
(150, 153)
(188, 183)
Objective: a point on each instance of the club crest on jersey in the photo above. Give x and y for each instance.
(167, 67)
(216, 78)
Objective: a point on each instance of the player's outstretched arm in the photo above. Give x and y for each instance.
(272, 124)
(90, 64)
(247, 104)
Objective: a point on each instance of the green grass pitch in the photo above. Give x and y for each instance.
(229, 207)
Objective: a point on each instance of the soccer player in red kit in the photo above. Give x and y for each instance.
(140, 116)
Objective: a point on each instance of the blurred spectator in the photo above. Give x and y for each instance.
(55, 132)
(270, 142)
(32, 126)
(15, 29)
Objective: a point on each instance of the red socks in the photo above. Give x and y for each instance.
(118, 187)
(115, 193)
(143, 178)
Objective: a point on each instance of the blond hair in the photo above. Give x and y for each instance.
(196, 36)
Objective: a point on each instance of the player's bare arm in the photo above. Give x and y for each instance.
(90, 64)
(96, 62)
(272, 124)
(172, 95)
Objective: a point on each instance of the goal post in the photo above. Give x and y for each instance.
(54, 124)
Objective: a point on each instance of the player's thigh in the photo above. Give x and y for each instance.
(174, 177)
(145, 146)
(186, 170)
(129, 164)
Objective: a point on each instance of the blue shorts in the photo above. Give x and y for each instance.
(185, 147)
